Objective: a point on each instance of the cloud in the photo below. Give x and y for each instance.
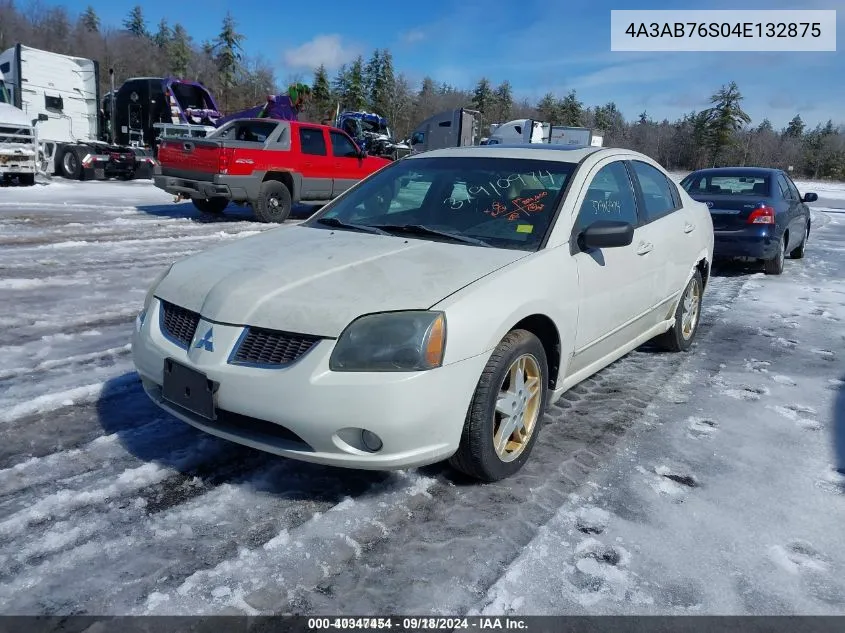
(413, 36)
(329, 50)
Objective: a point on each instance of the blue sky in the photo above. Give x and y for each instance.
(539, 45)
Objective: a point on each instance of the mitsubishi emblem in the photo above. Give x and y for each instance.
(207, 341)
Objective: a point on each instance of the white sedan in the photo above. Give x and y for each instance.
(431, 312)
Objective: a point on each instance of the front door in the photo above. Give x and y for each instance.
(348, 164)
(616, 285)
(316, 164)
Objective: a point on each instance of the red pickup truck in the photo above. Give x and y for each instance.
(266, 163)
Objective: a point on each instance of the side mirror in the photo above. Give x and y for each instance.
(362, 153)
(43, 117)
(607, 234)
(810, 197)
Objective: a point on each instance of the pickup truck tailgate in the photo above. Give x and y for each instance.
(196, 156)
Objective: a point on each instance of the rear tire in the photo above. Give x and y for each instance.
(214, 206)
(687, 317)
(516, 375)
(71, 164)
(774, 266)
(273, 203)
(798, 252)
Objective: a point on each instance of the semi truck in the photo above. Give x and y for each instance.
(451, 128)
(59, 96)
(18, 144)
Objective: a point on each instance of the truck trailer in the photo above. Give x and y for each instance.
(59, 94)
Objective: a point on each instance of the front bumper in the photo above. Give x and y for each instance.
(757, 242)
(307, 412)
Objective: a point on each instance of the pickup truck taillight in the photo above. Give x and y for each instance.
(223, 161)
(763, 215)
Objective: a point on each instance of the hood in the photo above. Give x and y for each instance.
(10, 115)
(316, 281)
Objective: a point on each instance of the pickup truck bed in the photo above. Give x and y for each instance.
(265, 163)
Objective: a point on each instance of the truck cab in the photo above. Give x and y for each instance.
(18, 143)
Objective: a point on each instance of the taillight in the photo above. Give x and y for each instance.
(223, 161)
(763, 215)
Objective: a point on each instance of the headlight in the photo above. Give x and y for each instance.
(391, 341)
(151, 292)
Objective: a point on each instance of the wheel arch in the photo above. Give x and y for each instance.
(289, 179)
(544, 328)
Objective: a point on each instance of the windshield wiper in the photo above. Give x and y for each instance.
(352, 227)
(421, 229)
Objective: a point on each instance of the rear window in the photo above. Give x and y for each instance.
(255, 131)
(726, 185)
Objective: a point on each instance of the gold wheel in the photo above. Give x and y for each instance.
(517, 408)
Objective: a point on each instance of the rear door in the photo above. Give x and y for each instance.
(348, 166)
(671, 229)
(316, 164)
(799, 214)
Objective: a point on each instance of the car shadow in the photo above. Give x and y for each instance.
(839, 430)
(233, 213)
(154, 436)
(734, 268)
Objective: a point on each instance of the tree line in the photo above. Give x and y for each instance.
(722, 134)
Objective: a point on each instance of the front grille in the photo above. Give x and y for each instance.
(178, 323)
(271, 347)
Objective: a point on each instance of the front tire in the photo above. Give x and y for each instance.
(504, 416)
(774, 266)
(680, 336)
(273, 203)
(213, 206)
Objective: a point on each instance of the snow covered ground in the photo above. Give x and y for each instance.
(697, 483)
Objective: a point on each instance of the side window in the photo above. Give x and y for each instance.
(609, 197)
(657, 191)
(792, 188)
(342, 146)
(784, 190)
(312, 141)
(787, 191)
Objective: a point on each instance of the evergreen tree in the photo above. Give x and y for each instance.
(163, 35)
(795, 129)
(725, 119)
(135, 22)
(571, 110)
(179, 51)
(90, 20)
(549, 109)
(322, 93)
(228, 55)
(482, 97)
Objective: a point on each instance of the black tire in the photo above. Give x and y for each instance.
(26, 180)
(798, 251)
(774, 266)
(70, 164)
(273, 203)
(214, 206)
(680, 336)
(476, 455)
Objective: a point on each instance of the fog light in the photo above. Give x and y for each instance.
(371, 441)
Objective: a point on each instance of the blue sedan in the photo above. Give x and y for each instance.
(757, 213)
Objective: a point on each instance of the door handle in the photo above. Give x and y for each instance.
(689, 228)
(644, 248)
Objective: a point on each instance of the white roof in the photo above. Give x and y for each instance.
(542, 151)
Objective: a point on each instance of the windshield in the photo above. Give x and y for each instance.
(4, 94)
(499, 202)
(726, 184)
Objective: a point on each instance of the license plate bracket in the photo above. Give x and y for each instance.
(189, 389)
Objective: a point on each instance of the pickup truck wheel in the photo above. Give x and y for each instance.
(210, 205)
(273, 203)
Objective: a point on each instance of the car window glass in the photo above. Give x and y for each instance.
(784, 190)
(785, 186)
(505, 202)
(656, 191)
(609, 197)
(342, 146)
(792, 188)
(312, 141)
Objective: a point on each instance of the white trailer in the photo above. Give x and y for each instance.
(18, 143)
(530, 131)
(61, 94)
